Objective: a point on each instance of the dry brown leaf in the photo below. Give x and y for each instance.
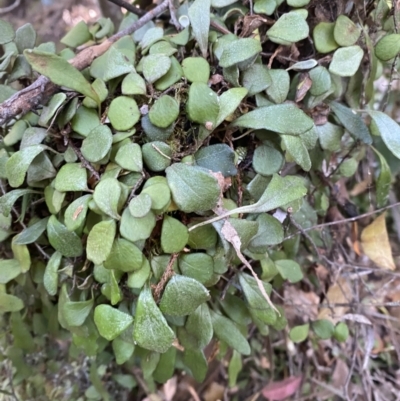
(339, 293)
(375, 243)
(300, 304)
(214, 392)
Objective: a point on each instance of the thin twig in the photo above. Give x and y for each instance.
(130, 7)
(84, 162)
(6, 10)
(168, 273)
(343, 221)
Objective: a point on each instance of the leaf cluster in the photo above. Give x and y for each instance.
(116, 192)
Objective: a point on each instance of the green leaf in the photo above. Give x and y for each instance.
(122, 350)
(173, 75)
(9, 303)
(110, 321)
(388, 129)
(50, 278)
(78, 35)
(296, 148)
(157, 155)
(199, 266)
(299, 333)
(9, 269)
(196, 361)
(239, 50)
(129, 157)
(17, 165)
(123, 113)
(7, 201)
(30, 234)
(235, 308)
(182, 296)
(203, 105)
(155, 66)
(25, 37)
(267, 160)
(136, 228)
(270, 232)
(22, 254)
(256, 79)
(140, 205)
(234, 368)
(84, 121)
(330, 136)
(63, 240)
(256, 301)
(202, 238)
(323, 328)
(265, 6)
(174, 235)
(166, 366)
(199, 15)
(124, 256)
(97, 144)
(54, 199)
(279, 192)
(228, 332)
(151, 330)
(289, 270)
(75, 214)
(75, 313)
(290, 28)
(353, 122)
(346, 32)
(199, 328)
(106, 195)
(7, 33)
(278, 90)
(346, 60)
(193, 188)
(341, 332)
(60, 72)
(323, 37)
(383, 181)
(217, 158)
(229, 102)
(71, 177)
(196, 69)
(321, 81)
(100, 241)
(388, 47)
(275, 118)
(133, 84)
(164, 111)
(116, 61)
(137, 278)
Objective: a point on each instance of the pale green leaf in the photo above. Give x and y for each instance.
(174, 235)
(275, 118)
(63, 240)
(288, 29)
(60, 72)
(199, 15)
(151, 330)
(9, 269)
(106, 195)
(50, 278)
(17, 165)
(111, 322)
(100, 241)
(7, 201)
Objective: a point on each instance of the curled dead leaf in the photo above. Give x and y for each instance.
(338, 294)
(375, 243)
